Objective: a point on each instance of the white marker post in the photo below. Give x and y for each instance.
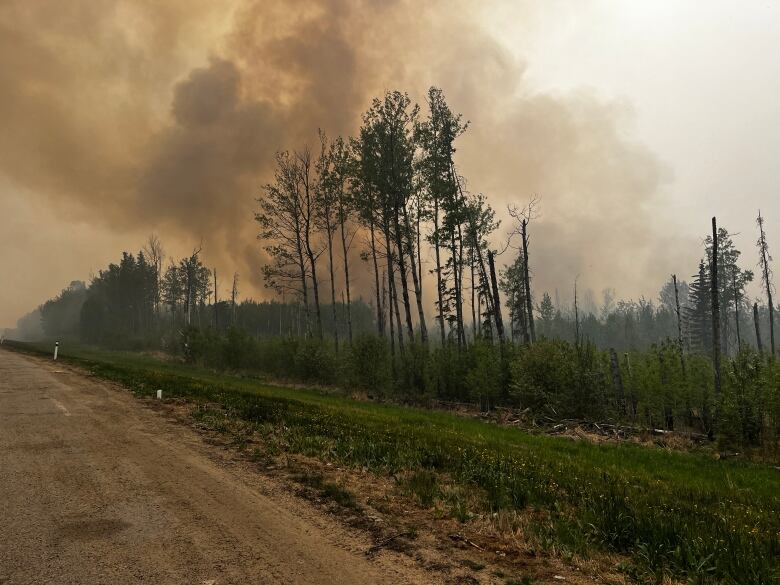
(56, 349)
(159, 394)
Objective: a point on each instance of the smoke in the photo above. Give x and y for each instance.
(164, 116)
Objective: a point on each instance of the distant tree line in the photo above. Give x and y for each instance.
(700, 356)
(136, 304)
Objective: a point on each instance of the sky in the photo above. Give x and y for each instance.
(634, 122)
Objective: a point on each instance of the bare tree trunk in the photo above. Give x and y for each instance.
(523, 321)
(301, 261)
(154, 250)
(393, 292)
(496, 298)
(679, 325)
(344, 250)
(216, 302)
(315, 285)
(386, 307)
(305, 293)
(417, 282)
(473, 300)
(419, 240)
(399, 244)
(307, 214)
(485, 278)
(576, 317)
(458, 264)
(527, 283)
(188, 306)
(461, 319)
(758, 329)
(736, 311)
(438, 268)
(715, 308)
(334, 312)
(380, 316)
(479, 313)
(399, 328)
(767, 276)
(456, 284)
(233, 296)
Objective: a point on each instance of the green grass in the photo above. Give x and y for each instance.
(673, 513)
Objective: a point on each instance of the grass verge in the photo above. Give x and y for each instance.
(674, 514)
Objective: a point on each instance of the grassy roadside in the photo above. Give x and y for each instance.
(675, 514)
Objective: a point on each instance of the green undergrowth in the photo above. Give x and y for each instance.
(673, 514)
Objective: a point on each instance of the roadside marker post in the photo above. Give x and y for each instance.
(159, 394)
(56, 349)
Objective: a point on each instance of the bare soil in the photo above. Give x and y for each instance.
(95, 488)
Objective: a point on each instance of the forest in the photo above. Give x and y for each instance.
(471, 328)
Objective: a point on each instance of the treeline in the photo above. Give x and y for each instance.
(136, 304)
(700, 357)
(395, 191)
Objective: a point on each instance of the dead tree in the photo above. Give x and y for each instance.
(308, 216)
(283, 226)
(758, 329)
(528, 300)
(524, 217)
(473, 299)
(216, 302)
(190, 275)
(233, 297)
(156, 254)
(679, 325)
(496, 298)
(766, 275)
(576, 317)
(736, 311)
(715, 307)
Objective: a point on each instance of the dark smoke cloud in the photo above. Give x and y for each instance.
(164, 116)
(206, 165)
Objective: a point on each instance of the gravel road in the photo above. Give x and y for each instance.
(97, 488)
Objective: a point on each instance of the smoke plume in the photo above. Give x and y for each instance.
(122, 118)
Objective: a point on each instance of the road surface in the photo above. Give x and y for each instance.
(96, 488)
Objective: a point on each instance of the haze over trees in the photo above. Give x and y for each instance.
(452, 313)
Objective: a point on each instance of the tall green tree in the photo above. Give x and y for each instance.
(436, 136)
(698, 313)
(389, 148)
(732, 281)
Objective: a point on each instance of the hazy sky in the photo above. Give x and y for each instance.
(634, 121)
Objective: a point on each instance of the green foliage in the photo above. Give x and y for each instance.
(551, 378)
(748, 401)
(675, 514)
(60, 315)
(368, 364)
(485, 378)
(561, 380)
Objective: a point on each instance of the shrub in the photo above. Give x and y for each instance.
(542, 375)
(368, 364)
